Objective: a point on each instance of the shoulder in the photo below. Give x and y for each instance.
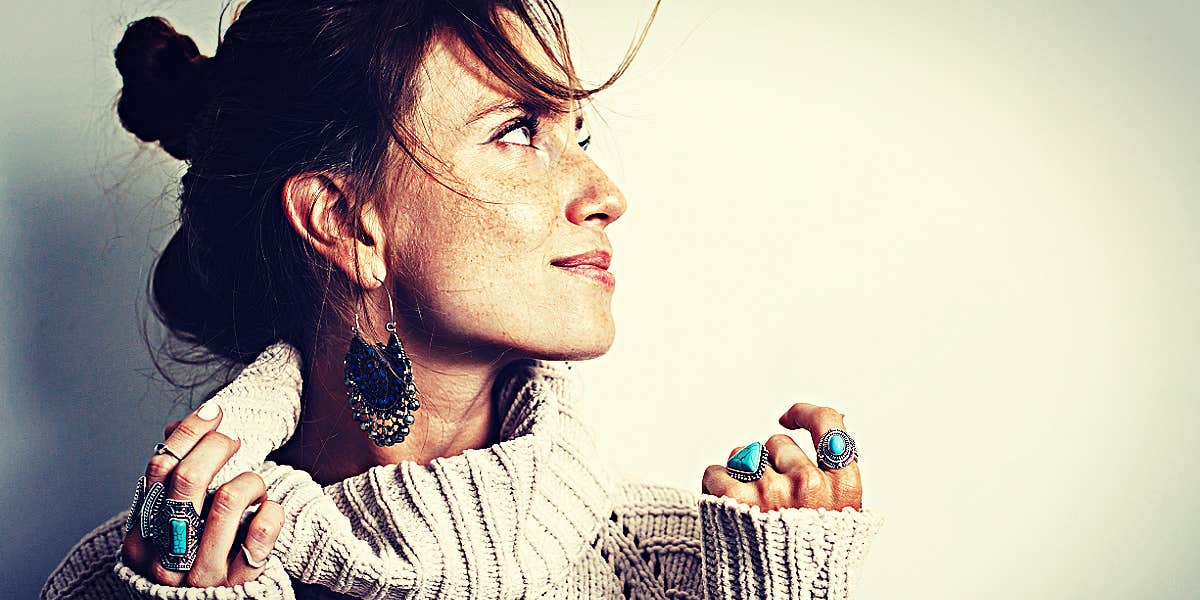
(87, 569)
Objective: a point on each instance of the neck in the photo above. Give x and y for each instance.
(457, 412)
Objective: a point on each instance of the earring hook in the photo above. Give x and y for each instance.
(391, 324)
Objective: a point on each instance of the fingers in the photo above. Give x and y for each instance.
(260, 539)
(790, 459)
(189, 481)
(191, 477)
(817, 420)
(182, 439)
(717, 481)
(181, 436)
(221, 528)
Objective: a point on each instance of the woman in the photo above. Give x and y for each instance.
(416, 172)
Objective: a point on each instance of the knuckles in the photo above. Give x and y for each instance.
(188, 430)
(712, 479)
(828, 414)
(228, 502)
(779, 439)
(266, 524)
(159, 467)
(189, 480)
(777, 491)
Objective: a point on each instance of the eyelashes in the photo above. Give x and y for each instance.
(532, 125)
(525, 121)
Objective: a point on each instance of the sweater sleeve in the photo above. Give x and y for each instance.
(800, 553)
(93, 570)
(272, 584)
(706, 547)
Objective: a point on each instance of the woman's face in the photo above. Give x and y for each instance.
(480, 272)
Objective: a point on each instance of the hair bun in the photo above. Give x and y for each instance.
(165, 83)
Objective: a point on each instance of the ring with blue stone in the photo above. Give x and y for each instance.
(748, 464)
(177, 534)
(836, 449)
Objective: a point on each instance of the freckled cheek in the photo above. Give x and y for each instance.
(506, 246)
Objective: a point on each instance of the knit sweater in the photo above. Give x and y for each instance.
(536, 515)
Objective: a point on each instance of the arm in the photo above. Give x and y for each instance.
(92, 570)
(796, 531)
(788, 528)
(701, 546)
(783, 553)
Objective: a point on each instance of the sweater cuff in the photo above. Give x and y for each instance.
(785, 553)
(272, 584)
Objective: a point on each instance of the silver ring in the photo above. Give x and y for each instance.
(139, 494)
(151, 503)
(749, 463)
(163, 448)
(177, 533)
(836, 449)
(250, 561)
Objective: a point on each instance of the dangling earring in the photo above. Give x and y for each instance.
(379, 383)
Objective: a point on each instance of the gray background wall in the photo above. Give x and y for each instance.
(969, 226)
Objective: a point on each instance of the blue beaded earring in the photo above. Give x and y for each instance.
(379, 383)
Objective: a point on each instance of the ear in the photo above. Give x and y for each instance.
(318, 209)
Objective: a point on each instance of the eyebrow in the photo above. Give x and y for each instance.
(505, 105)
(510, 105)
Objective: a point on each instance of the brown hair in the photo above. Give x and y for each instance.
(236, 277)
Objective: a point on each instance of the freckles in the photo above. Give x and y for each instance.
(523, 224)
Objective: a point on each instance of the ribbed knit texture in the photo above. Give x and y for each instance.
(537, 515)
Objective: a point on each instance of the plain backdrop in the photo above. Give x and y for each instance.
(971, 227)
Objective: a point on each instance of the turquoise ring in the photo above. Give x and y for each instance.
(748, 464)
(177, 534)
(836, 450)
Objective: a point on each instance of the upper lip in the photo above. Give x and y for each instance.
(599, 258)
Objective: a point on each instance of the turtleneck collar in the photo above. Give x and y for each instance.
(505, 521)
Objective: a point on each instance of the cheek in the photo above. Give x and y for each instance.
(479, 256)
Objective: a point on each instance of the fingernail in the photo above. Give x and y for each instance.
(208, 411)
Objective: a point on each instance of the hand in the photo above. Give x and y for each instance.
(791, 479)
(219, 558)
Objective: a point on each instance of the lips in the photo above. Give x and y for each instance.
(595, 258)
(592, 265)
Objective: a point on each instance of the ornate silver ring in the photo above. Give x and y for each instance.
(836, 450)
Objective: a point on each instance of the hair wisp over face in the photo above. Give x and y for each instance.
(299, 87)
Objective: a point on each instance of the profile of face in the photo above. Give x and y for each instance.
(478, 269)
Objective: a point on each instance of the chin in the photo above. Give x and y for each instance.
(576, 344)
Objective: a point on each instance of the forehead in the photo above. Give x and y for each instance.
(453, 84)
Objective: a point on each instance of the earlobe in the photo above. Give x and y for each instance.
(317, 209)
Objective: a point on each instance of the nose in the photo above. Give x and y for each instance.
(594, 198)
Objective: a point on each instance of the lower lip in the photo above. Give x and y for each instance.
(596, 274)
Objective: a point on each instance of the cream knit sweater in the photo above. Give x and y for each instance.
(537, 515)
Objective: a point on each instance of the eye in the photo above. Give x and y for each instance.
(515, 136)
(583, 136)
(520, 132)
